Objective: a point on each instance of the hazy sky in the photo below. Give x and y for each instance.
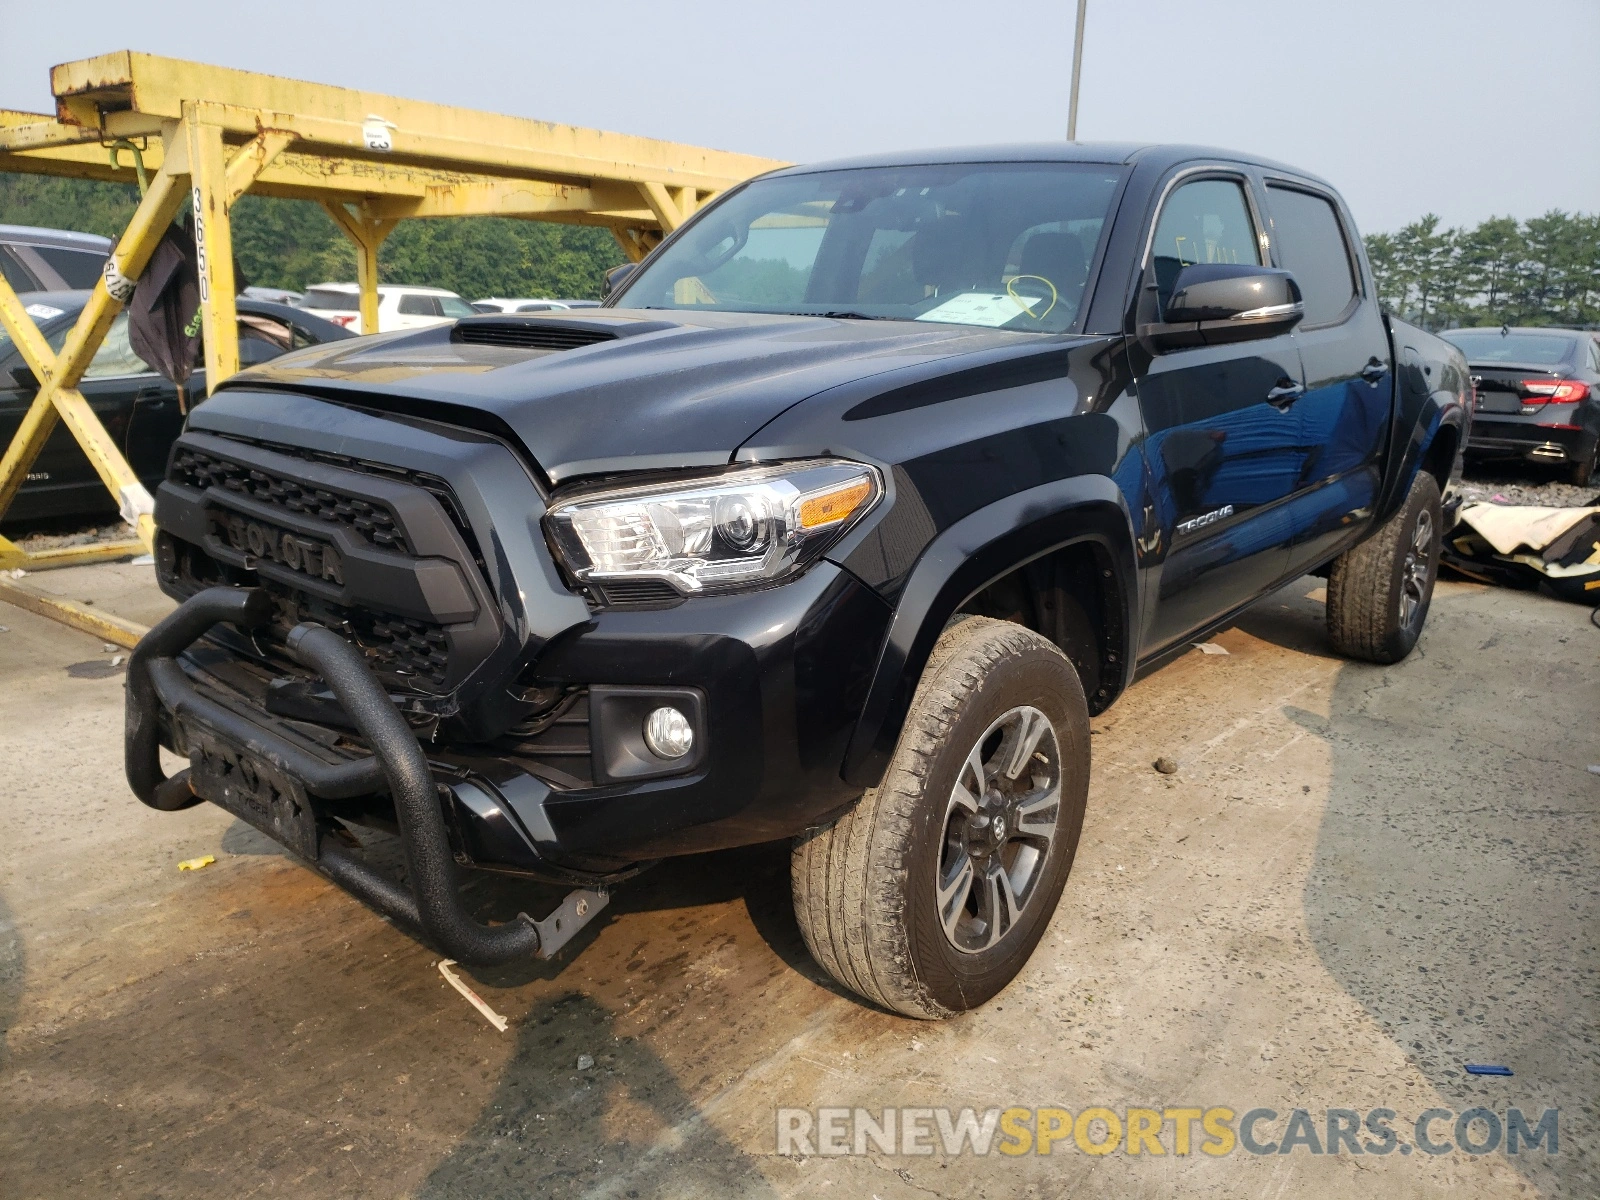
(1467, 108)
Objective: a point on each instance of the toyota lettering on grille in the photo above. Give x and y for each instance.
(316, 559)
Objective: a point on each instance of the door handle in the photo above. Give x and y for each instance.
(1374, 370)
(1285, 394)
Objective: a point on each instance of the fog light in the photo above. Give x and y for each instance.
(668, 733)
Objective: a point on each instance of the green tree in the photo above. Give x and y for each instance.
(1489, 257)
(294, 243)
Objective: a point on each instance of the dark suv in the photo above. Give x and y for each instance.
(864, 491)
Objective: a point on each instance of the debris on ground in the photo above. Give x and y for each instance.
(1210, 648)
(91, 536)
(1487, 1069)
(194, 864)
(1553, 549)
(585, 1062)
(1518, 483)
(1167, 766)
(473, 998)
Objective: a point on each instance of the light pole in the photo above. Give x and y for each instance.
(1077, 70)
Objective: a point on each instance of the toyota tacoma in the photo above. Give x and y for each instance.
(859, 496)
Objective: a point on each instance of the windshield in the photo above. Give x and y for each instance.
(1491, 346)
(1004, 245)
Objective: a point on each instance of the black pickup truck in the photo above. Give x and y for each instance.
(863, 491)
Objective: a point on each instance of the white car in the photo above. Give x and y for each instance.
(399, 306)
(498, 304)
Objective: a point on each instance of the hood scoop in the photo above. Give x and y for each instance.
(529, 335)
(546, 332)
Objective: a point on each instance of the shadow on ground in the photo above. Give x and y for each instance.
(10, 973)
(553, 1132)
(1466, 928)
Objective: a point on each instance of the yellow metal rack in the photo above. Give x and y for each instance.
(206, 135)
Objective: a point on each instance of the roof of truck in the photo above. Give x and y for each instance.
(1107, 153)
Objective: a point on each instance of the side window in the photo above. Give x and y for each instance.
(17, 275)
(1311, 244)
(79, 268)
(419, 306)
(116, 356)
(1206, 221)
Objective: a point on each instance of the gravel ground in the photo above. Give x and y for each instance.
(61, 535)
(1503, 483)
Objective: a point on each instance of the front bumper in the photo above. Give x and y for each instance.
(781, 674)
(281, 787)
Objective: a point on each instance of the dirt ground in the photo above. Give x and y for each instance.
(1358, 880)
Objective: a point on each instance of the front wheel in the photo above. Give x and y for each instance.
(931, 893)
(1379, 591)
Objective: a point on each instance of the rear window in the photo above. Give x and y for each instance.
(331, 301)
(77, 268)
(1531, 349)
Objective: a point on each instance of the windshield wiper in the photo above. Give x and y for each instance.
(843, 314)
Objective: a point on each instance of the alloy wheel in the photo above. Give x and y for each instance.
(1414, 571)
(999, 828)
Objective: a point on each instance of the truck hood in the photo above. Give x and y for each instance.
(662, 390)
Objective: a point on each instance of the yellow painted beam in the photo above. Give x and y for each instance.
(662, 204)
(113, 629)
(148, 86)
(59, 374)
(247, 162)
(213, 236)
(13, 555)
(367, 232)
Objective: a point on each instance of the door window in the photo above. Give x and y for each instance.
(1207, 221)
(78, 268)
(419, 306)
(116, 356)
(17, 275)
(1311, 244)
(454, 306)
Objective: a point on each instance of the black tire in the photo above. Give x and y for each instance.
(1581, 472)
(1379, 591)
(866, 886)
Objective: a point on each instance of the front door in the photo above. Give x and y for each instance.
(1221, 447)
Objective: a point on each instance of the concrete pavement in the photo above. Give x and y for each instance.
(1359, 880)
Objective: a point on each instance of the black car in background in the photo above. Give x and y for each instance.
(1538, 395)
(33, 259)
(138, 407)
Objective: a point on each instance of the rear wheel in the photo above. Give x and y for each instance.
(1379, 591)
(931, 893)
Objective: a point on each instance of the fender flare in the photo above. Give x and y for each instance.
(1440, 411)
(959, 563)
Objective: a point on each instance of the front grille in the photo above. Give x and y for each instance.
(554, 745)
(528, 335)
(371, 522)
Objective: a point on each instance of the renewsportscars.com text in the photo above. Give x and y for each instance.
(1212, 1130)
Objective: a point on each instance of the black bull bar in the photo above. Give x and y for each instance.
(431, 904)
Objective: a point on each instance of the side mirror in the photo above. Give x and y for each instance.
(22, 376)
(616, 277)
(1213, 304)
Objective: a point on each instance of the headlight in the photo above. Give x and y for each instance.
(743, 527)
